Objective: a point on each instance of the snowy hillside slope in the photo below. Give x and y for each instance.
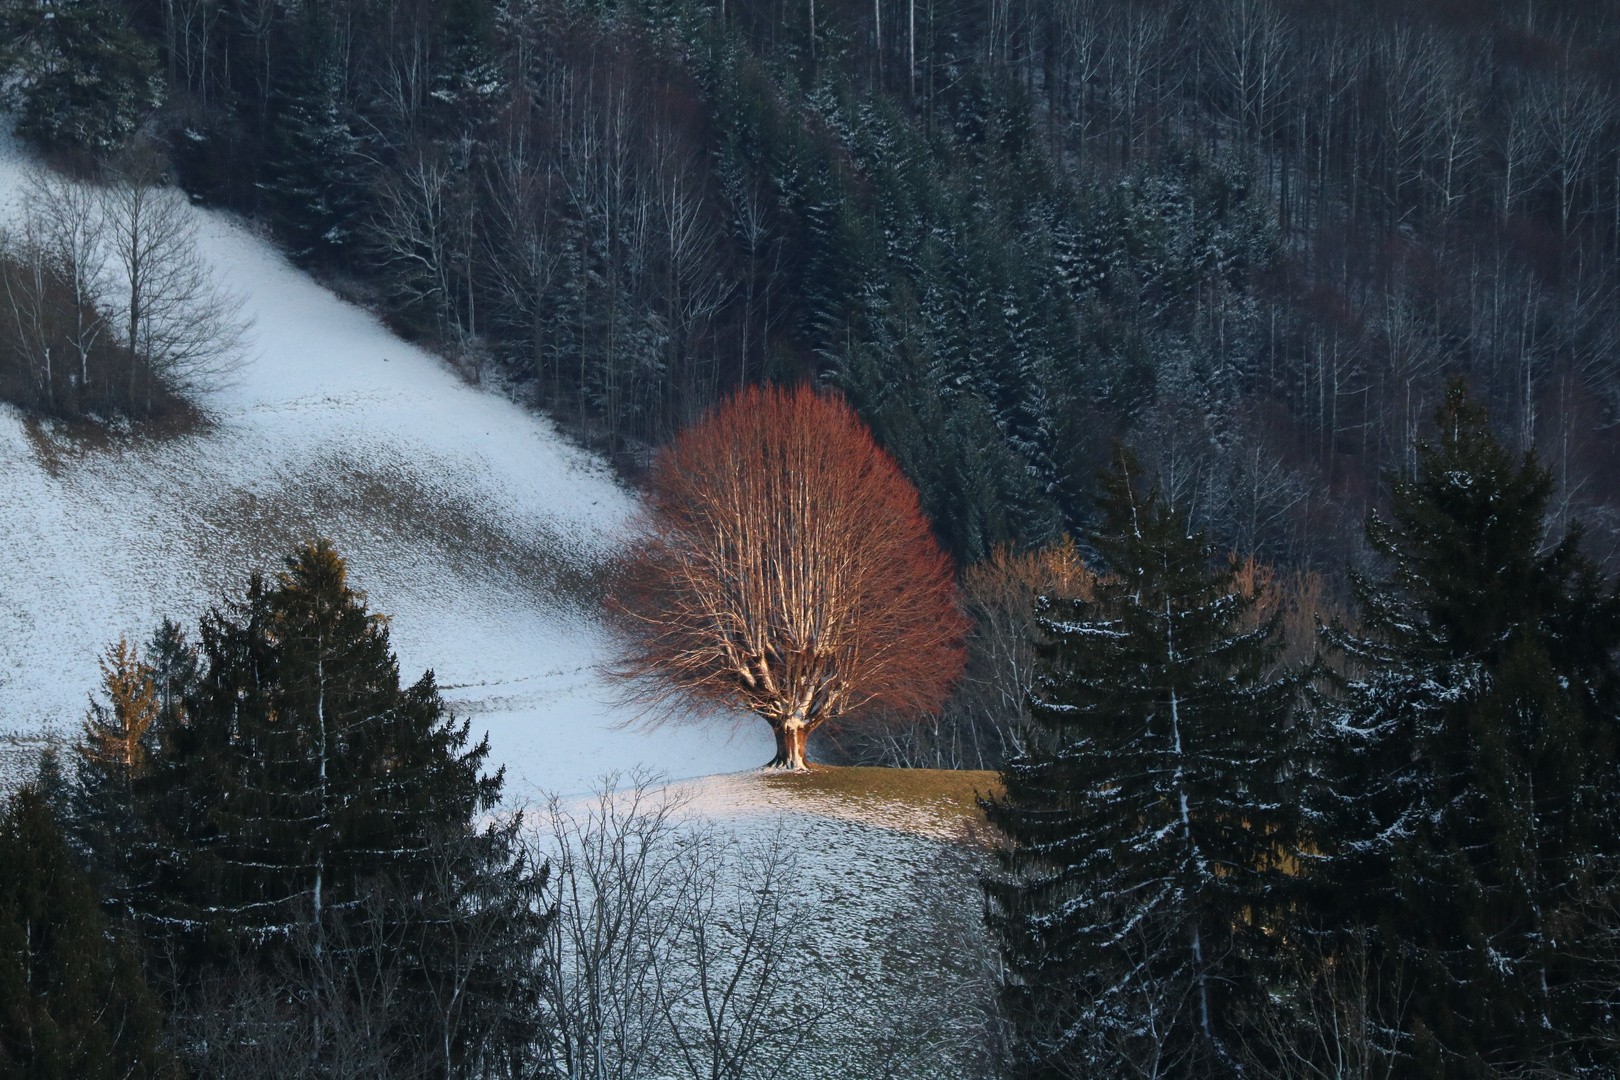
(466, 519)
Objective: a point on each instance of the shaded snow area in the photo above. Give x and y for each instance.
(892, 955)
(888, 972)
(466, 519)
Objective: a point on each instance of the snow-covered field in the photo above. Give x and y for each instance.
(465, 518)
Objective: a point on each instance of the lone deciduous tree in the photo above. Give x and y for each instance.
(178, 329)
(783, 566)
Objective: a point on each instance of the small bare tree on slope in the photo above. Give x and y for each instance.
(177, 327)
(783, 566)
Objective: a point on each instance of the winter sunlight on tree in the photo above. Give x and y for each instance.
(783, 566)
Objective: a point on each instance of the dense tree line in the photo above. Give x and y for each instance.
(1257, 234)
(1398, 859)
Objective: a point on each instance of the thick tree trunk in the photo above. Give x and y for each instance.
(796, 738)
(781, 758)
(790, 742)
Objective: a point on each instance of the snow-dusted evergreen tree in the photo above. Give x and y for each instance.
(175, 666)
(83, 79)
(331, 771)
(275, 771)
(123, 732)
(118, 733)
(316, 183)
(298, 808)
(1473, 790)
(1149, 820)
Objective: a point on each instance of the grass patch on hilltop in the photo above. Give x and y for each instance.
(944, 794)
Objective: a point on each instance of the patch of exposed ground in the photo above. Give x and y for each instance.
(546, 561)
(929, 802)
(57, 443)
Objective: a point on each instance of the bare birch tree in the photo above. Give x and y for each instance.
(30, 359)
(1248, 49)
(525, 246)
(1571, 113)
(65, 217)
(109, 304)
(419, 234)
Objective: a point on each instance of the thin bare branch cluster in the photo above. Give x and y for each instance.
(673, 945)
(984, 723)
(106, 303)
(184, 328)
(783, 566)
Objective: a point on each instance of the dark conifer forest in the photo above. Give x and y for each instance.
(1252, 237)
(1257, 362)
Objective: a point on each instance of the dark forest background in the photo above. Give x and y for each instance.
(1260, 241)
(1252, 237)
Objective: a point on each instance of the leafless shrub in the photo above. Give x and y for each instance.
(1340, 1018)
(726, 993)
(670, 949)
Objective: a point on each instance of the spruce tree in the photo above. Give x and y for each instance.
(118, 733)
(53, 783)
(298, 806)
(121, 734)
(316, 190)
(73, 1003)
(174, 663)
(1149, 819)
(83, 79)
(331, 772)
(1471, 786)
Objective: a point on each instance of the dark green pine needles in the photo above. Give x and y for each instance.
(275, 799)
(1469, 810)
(1150, 831)
(298, 768)
(83, 78)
